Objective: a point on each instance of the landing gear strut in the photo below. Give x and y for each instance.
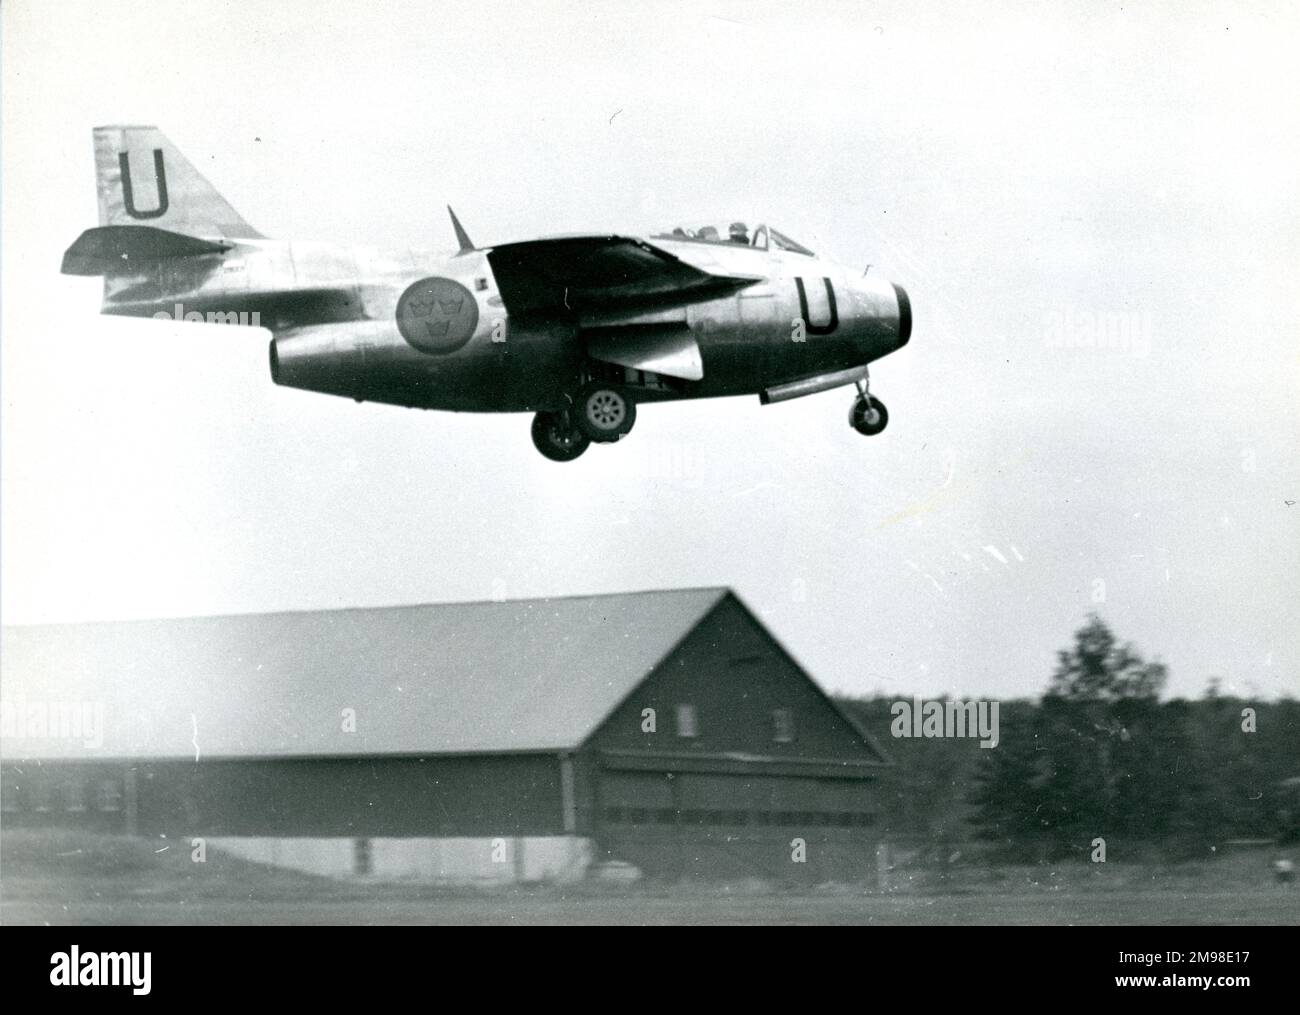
(600, 413)
(557, 438)
(867, 415)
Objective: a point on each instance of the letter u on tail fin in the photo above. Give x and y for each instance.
(143, 180)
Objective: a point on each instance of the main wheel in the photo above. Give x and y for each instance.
(868, 417)
(603, 413)
(557, 438)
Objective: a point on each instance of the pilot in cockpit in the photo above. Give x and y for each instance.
(739, 233)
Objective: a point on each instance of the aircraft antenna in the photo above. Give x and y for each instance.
(462, 237)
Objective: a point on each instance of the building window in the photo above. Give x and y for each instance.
(74, 795)
(687, 722)
(109, 796)
(362, 858)
(782, 725)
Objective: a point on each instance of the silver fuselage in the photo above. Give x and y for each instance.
(332, 311)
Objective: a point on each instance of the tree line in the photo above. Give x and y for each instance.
(1099, 754)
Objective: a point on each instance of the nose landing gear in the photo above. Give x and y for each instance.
(867, 415)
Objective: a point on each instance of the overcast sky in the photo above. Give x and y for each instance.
(1028, 173)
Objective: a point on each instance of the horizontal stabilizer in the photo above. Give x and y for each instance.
(120, 250)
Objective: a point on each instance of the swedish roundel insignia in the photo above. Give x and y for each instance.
(437, 315)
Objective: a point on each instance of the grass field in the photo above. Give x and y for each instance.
(59, 879)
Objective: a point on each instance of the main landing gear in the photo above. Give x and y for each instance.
(600, 412)
(868, 415)
(603, 412)
(557, 438)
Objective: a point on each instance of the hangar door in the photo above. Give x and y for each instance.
(673, 824)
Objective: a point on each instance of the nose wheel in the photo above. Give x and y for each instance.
(557, 438)
(868, 415)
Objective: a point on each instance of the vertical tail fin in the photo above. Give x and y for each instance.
(144, 180)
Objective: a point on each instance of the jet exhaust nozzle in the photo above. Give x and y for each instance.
(309, 359)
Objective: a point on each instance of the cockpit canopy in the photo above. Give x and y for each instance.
(761, 237)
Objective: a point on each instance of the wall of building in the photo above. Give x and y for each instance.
(382, 797)
(749, 771)
(747, 697)
(65, 794)
(761, 777)
(448, 861)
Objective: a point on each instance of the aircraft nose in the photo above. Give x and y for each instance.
(904, 314)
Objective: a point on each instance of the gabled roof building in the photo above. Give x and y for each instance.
(668, 729)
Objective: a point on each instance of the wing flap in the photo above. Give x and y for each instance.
(667, 349)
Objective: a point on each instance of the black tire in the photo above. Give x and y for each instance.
(603, 412)
(866, 419)
(557, 438)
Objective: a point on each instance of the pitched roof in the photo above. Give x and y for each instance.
(537, 674)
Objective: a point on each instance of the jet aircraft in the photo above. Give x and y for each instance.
(577, 329)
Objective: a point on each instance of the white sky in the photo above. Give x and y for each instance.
(1012, 166)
